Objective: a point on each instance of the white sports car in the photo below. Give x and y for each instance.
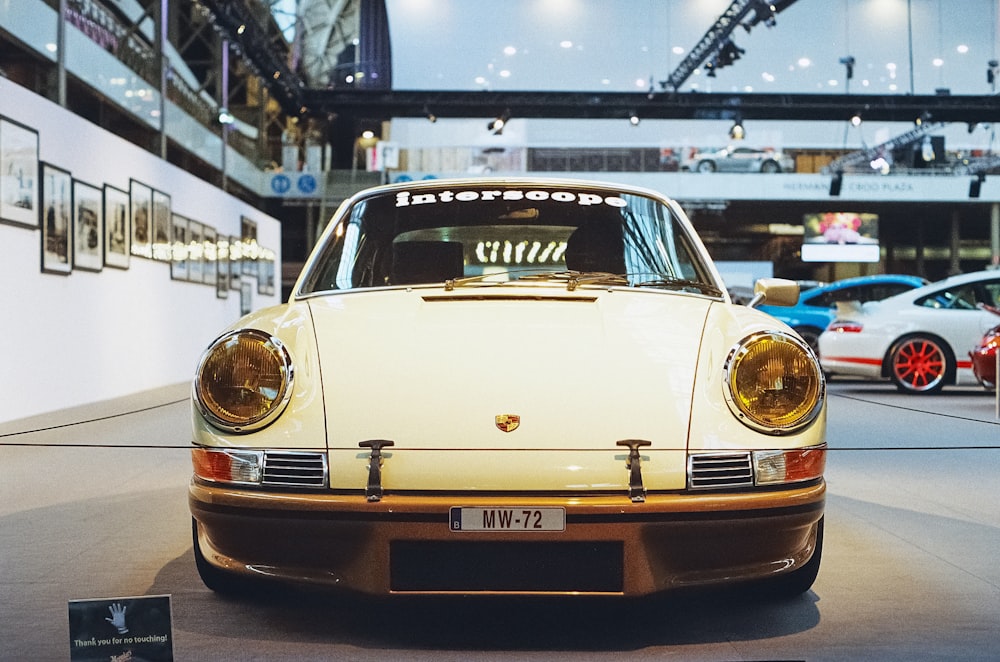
(919, 339)
(510, 387)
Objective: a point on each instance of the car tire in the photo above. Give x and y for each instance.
(217, 580)
(811, 335)
(705, 166)
(797, 582)
(768, 167)
(920, 364)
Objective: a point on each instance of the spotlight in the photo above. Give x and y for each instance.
(226, 117)
(633, 119)
(848, 61)
(856, 119)
(497, 125)
(924, 117)
(975, 185)
(737, 132)
(431, 117)
(835, 183)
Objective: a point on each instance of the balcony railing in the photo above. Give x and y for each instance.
(106, 29)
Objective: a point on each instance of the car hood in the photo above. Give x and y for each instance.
(509, 388)
(430, 369)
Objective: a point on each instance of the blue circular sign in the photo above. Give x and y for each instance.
(307, 184)
(280, 184)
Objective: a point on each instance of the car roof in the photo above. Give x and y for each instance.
(916, 281)
(950, 281)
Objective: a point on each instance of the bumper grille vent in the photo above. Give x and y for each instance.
(294, 469)
(707, 471)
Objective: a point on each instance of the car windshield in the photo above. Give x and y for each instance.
(471, 233)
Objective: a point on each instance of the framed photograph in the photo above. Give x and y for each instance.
(246, 298)
(222, 268)
(265, 272)
(88, 227)
(248, 239)
(210, 265)
(56, 219)
(196, 252)
(162, 249)
(117, 232)
(179, 265)
(18, 174)
(235, 262)
(141, 213)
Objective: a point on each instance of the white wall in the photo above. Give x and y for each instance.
(87, 337)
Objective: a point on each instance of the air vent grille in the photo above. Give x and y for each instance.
(294, 469)
(707, 471)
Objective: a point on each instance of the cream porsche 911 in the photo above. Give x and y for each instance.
(510, 386)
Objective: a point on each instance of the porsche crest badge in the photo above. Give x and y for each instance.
(507, 422)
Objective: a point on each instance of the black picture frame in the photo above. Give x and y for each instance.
(210, 265)
(248, 240)
(161, 239)
(222, 268)
(265, 272)
(117, 228)
(56, 219)
(179, 264)
(196, 251)
(19, 171)
(246, 298)
(235, 262)
(88, 227)
(141, 215)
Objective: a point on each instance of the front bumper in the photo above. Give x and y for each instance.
(403, 544)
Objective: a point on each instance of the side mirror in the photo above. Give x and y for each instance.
(775, 292)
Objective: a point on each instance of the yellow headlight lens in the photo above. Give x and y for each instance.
(244, 380)
(775, 383)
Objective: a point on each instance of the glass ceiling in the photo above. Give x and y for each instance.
(899, 46)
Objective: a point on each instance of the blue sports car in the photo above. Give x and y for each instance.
(817, 306)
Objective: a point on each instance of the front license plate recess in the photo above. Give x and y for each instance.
(507, 519)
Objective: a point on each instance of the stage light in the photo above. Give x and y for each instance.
(633, 119)
(848, 62)
(835, 183)
(497, 125)
(737, 132)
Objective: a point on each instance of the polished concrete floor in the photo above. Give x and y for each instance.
(93, 505)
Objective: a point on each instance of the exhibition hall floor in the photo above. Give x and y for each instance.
(93, 505)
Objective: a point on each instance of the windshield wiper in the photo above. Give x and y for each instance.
(574, 279)
(681, 284)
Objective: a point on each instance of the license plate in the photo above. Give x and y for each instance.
(507, 519)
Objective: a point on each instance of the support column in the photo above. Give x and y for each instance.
(955, 244)
(61, 55)
(919, 249)
(161, 55)
(995, 235)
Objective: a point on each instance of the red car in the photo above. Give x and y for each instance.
(984, 356)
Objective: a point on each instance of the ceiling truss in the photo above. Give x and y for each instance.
(373, 104)
(236, 22)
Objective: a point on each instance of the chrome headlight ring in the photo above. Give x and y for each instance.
(773, 383)
(244, 381)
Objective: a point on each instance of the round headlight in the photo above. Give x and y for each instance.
(244, 380)
(774, 383)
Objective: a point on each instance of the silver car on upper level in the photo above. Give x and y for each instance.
(739, 159)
